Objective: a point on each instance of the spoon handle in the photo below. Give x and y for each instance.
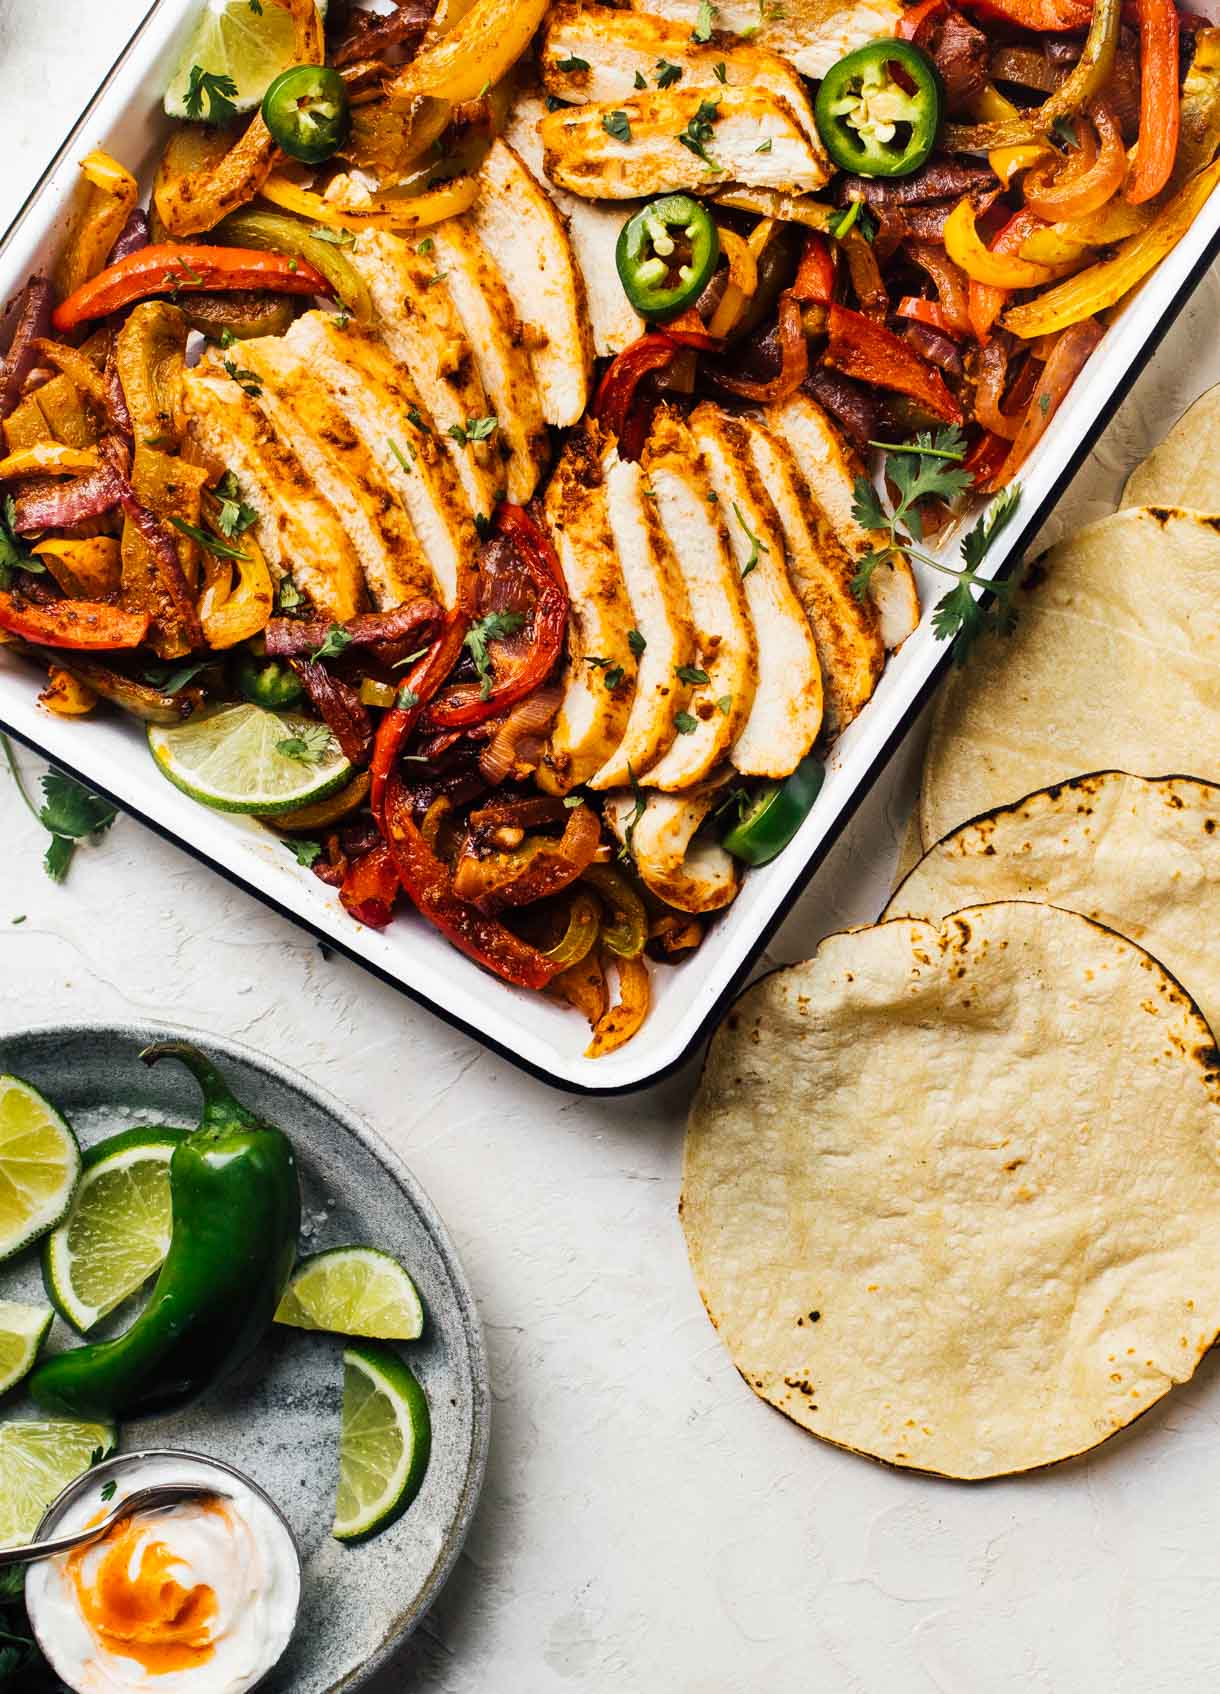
(144, 1499)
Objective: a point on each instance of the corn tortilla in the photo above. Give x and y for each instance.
(1114, 664)
(1140, 856)
(1185, 469)
(952, 1193)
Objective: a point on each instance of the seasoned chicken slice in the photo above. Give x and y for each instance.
(786, 712)
(830, 466)
(846, 630)
(418, 323)
(728, 653)
(593, 231)
(297, 530)
(620, 47)
(475, 286)
(810, 34)
(379, 399)
(739, 135)
(522, 230)
(695, 878)
(662, 615)
(309, 418)
(600, 680)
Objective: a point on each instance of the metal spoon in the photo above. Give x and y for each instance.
(143, 1500)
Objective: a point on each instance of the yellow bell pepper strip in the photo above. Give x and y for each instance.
(232, 611)
(48, 458)
(168, 269)
(84, 570)
(1088, 77)
(616, 1027)
(448, 200)
(111, 193)
(1159, 112)
(1199, 114)
(195, 201)
(66, 695)
(81, 372)
(984, 264)
(990, 106)
(70, 418)
(1101, 285)
(479, 50)
(26, 425)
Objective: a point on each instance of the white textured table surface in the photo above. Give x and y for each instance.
(648, 1525)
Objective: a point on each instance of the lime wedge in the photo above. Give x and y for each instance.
(117, 1231)
(39, 1165)
(23, 1329)
(37, 1462)
(246, 759)
(384, 1441)
(353, 1291)
(249, 41)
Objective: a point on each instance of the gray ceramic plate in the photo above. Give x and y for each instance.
(278, 1420)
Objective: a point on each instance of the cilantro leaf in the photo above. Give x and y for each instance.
(246, 380)
(685, 724)
(474, 429)
(401, 456)
(993, 520)
(108, 1489)
(336, 641)
(639, 80)
(865, 566)
(668, 73)
(691, 673)
(337, 237)
(757, 544)
(234, 517)
(866, 505)
(572, 63)
(310, 747)
(700, 130)
(288, 596)
(58, 857)
(218, 90)
(613, 677)
(492, 626)
(208, 539)
(724, 705)
(720, 71)
(636, 642)
(307, 852)
(617, 125)
(73, 810)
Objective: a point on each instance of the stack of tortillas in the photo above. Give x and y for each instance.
(952, 1187)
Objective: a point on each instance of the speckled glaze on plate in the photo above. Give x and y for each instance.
(278, 1418)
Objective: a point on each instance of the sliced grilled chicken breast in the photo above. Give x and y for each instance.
(310, 419)
(702, 878)
(593, 231)
(382, 403)
(662, 615)
(846, 630)
(494, 331)
(756, 138)
(786, 712)
(619, 47)
(728, 653)
(830, 467)
(811, 34)
(597, 695)
(297, 530)
(521, 228)
(418, 323)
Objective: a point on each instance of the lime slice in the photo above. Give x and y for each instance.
(37, 1462)
(39, 1165)
(23, 1329)
(117, 1231)
(235, 759)
(384, 1441)
(249, 41)
(353, 1291)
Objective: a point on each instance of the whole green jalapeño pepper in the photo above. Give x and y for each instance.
(306, 109)
(236, 1215)
(879, 109)
(666, 254)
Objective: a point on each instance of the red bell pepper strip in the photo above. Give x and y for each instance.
(470, 703)
(370, 888)
(873, 354)
(914, 19)
(929, 312)
(416, 690)
(170, 269)
(985, 458)
(1159, 105)
(429, 885)
(616, 391)
(84, 625)
(1054, 16)
(815, 275)
(985, 302)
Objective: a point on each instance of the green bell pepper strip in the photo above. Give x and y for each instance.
(774, 815)
(236, 1215)
(279, 232)
(307, 111)
(666, 254)
(879, 109)
(268, 682)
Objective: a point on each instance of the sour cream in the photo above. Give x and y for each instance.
(197, 1598)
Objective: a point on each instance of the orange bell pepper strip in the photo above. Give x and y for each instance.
(815, 275)
(167, 269)
(985, 300)
(370, 888)
(1050, 15)
(85, 625)
(868, 351)
(1160, 114)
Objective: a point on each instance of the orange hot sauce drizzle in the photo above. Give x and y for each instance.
(145, 1615)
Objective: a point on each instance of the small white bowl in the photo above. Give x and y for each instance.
(173, 1465)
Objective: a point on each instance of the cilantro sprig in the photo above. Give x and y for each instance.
(700, 130)
(492, 626)
(930, 468)
(70, 813)
(14, 555)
